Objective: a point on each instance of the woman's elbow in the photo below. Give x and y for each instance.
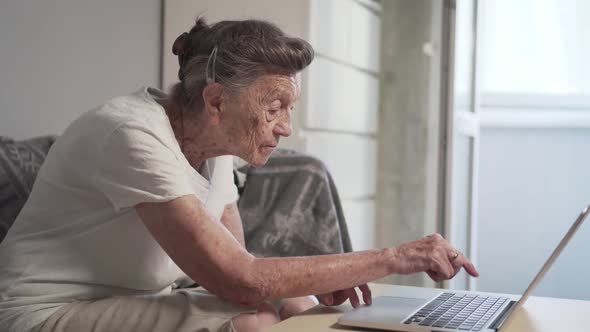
(248, 296)
(249, 292)
(245, 289)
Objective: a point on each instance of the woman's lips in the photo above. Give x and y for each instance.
(268, 148)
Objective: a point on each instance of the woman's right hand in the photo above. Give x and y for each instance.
(433, 255)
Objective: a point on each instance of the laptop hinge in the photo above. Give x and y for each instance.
(502, 317)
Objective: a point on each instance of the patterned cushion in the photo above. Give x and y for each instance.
(19, 163)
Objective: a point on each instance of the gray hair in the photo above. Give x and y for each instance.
(234, 54)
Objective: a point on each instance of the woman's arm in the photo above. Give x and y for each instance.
(208, 253)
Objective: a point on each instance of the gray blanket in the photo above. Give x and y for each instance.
(290, 207)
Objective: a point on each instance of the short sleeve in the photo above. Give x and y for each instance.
(223, 190)
(230, 192)
(137, 167)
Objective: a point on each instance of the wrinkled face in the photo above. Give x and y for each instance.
(258, 117)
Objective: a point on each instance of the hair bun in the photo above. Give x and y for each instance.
(178, 48)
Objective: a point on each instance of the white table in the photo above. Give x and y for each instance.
(539, 314)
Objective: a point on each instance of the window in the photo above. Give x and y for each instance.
(534, 131)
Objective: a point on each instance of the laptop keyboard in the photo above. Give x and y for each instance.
(465, 312)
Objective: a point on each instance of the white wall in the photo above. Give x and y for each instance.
(60, 58)
(340, 126)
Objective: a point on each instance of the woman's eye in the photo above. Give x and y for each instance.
(273, 110)
(272, 113)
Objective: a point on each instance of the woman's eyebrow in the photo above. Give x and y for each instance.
(272, 95)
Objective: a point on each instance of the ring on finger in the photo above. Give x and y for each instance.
(456, 255)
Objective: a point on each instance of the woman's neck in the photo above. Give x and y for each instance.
(198, 140)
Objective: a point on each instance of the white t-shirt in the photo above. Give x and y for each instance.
(79, 237)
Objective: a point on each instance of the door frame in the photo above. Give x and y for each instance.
(461, 123)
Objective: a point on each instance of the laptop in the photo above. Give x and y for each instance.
(430, 309)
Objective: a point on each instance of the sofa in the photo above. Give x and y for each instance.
(289, 207)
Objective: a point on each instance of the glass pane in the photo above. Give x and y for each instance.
(464, 51)
(535, 46)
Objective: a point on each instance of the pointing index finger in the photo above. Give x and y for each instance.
(468, 266)
(367, 296)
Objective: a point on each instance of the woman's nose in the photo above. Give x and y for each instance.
(283, 127)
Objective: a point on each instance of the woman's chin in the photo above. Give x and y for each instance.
(259, 159)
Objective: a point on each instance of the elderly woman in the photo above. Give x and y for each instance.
(136, 200)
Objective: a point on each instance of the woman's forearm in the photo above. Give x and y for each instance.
(276, 278)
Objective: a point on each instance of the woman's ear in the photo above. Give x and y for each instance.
(212, 99)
